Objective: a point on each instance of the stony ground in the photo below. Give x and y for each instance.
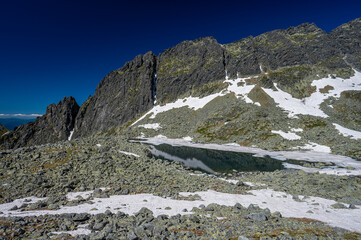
(53, 170)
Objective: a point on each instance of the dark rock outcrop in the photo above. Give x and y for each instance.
(188, 66)
(54, 126)
(348, 39)
(3, 130)
(305, 44)
(119, 97)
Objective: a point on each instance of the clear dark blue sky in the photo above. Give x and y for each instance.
(55, 48)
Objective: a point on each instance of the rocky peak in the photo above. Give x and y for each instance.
(305, 44)
(55, 125)
(348, 39)
(188, 65)
(119, 97)
(3, 130)
(304, 28)
(62, 116)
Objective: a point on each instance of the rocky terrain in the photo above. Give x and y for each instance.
(73, 173)
(106, 168)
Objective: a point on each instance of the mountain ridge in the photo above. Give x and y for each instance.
(287, 58)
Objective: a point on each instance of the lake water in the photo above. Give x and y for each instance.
(210, 161)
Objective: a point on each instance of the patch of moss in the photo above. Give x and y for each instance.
(175, 66)
(257, 94)
(238, 48)
(312, 122)
(352, 236)
(326, 89)
(209, 88)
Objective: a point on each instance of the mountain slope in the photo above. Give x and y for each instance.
(293, 58)
(252, 92)
(301, 92)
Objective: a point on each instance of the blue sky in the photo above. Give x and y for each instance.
(55, 48)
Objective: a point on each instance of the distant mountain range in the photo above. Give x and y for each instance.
(295, 88)
(11, 123)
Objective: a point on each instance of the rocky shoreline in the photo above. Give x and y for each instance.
(107, 167)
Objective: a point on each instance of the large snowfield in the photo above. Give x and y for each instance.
(294, 106)
(309, 207)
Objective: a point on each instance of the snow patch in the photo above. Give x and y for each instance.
(327, 170)
(315, 147)
(196, 103)
(82, 229)
(129, 153)
(155, 126)
(239, 87)
(296, 129)
(288, 135)
(264, 198)
(306, 106)
(18, 202)
(229, 180)
(188, 138)
(71, 135)
(311, 105)
(254, 184)
(75, 195)
(348, 132)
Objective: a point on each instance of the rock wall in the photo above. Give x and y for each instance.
(119, 97)
(348, 39)
(188, 66)
(3, 130)
(305, 44)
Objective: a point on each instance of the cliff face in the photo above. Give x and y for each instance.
(291, 57)
(187, 66)
(3, 130)
(305, 44)
(348, 40)
(119, 97)
(54, 126)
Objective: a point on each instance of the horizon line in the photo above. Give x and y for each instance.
(33, 115)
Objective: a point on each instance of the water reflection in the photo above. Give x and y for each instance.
(209, 160)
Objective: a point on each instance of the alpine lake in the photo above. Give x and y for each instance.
(212, 160)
